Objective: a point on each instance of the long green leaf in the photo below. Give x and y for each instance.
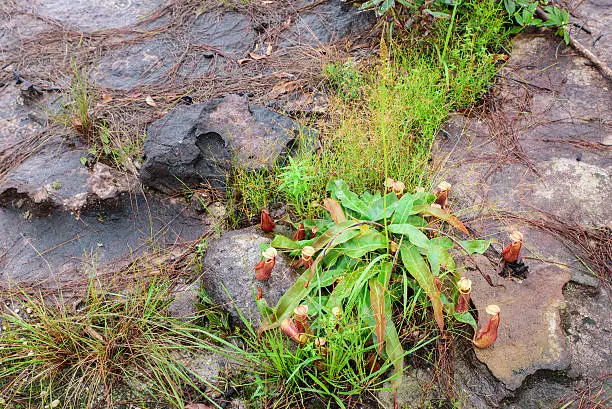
(416, 236)
(350, 200)
(395, 352)
(339, 233)
(418, 268)
(367, 241)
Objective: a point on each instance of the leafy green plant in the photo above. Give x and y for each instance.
(375, 256)
(523, 12)
(296, 180)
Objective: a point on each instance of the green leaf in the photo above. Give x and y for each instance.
(475, 246)
(437, 256)
(350, 200)
(377, 208)
(443, 215)
(386, 5)
(395, 352)
(364, 243)
(466, 318)
(377, 300)
(339, 233)
(416, 237)
(282, 242)
(418, 268)
(442, 241)
(404, 209)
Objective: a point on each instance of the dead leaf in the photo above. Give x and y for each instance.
(334, 209)
(106, 98)
(269, 49)
(243, 61)
(150, 101)
(257, 56)
(284, 87)
(197, 406)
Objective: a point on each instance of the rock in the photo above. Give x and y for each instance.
(327, 22)
(530, 336)
(229, 265)
(588, 324)
(60, 248)
(185, 298)
(224, 38)
(530, 156)
(198, 144)
(53, 176)
(137, 64)
(412, 394)
(91, 15)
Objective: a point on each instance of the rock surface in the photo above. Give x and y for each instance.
(327, 22)
(62, 248)
(198, 144)
(530, 336)
(539, 151)
(229, 265)
(54, 176)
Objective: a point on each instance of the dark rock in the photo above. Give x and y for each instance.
(220, 38)
(63, 248)
(54, 176)
(229, 265)
(199, 143)
(588, 324)
(328, 22)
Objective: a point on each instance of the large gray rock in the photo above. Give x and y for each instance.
(220, 38)
(62, 248)
(198, 144)
(90, 15)
(229, 266)
(327, 22)
(54, 176)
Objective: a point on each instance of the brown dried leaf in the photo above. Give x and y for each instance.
(197, 406)
(334, 209)
(106, 98)
(150, 101)
(257, 56)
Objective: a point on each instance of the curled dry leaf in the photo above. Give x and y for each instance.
(106, 98)
(150, 101)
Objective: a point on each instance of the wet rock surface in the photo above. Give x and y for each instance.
(63, 247)
(229, 266)
(198, 144)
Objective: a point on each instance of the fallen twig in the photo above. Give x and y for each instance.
(599, 64)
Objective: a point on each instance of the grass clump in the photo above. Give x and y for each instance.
(91, 357)
(385, 115)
